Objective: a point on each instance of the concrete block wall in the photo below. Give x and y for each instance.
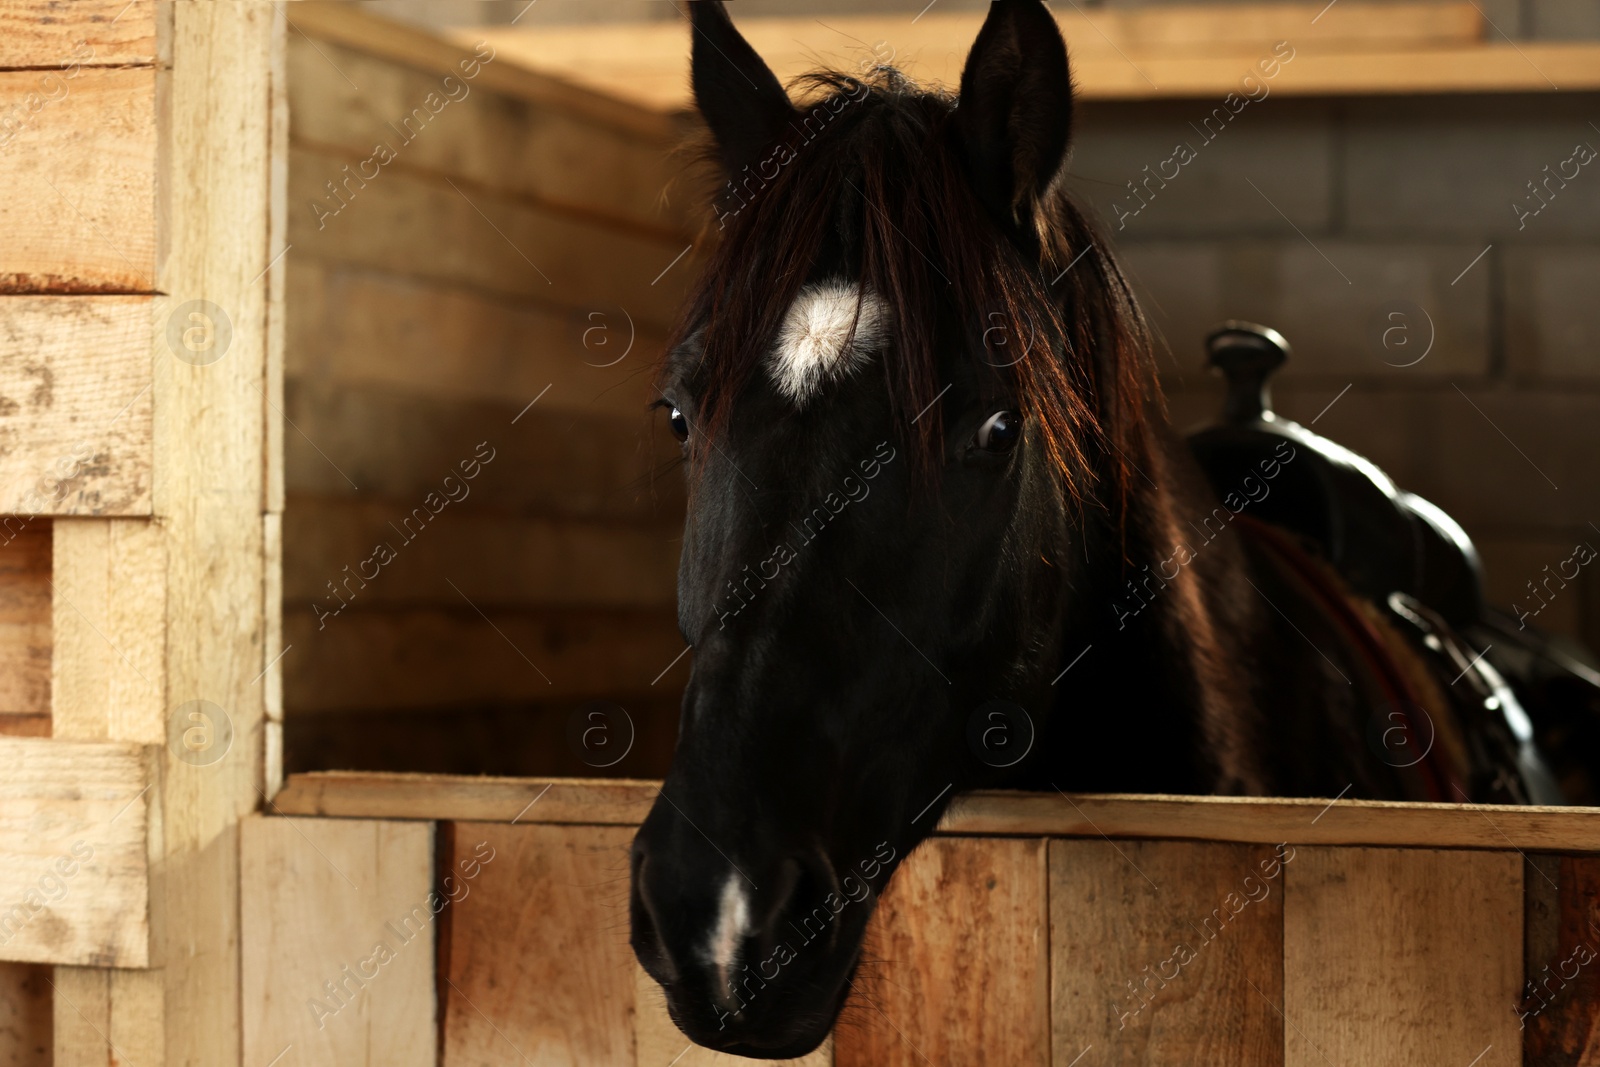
(1326, 220)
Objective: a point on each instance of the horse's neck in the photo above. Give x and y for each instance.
(1163, 689)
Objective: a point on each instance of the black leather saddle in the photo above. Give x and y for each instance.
(1381, 539)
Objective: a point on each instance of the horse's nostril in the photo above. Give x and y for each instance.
(645, 935)
(803, 909)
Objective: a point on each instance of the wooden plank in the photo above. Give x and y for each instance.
(423, 228)
(1560, 997)
(417, 48)
(74, 875)
(658, 1041)
(210, 454)
(25, 630)
(1367, 935)
(519, 740)
(338, 921)
(59, 34)
(75, 379)
(107, 1017)
(1166, 952)
(497, 561)
(648, 63)
(25, 724)
(81, 171)
(1162, 53)
(1256, 820)
(587, 801)
(25, 1015)
(959, 906)
(558, 894)
(435, 658)
(1532, 67)
(109, 604)
(363, 329)
(541, 461)
(1247, 820)
(454, 125)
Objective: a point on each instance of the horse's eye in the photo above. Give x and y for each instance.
(679, 424)
(1000, 432)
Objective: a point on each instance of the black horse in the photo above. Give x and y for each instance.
(940, 536)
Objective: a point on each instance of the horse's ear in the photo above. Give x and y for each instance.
(737, 93)
(1015, 113)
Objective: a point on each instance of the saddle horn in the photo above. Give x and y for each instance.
(1247, 354)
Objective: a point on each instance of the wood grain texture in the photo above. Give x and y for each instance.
(1155, 948)
(648, 64)
(211, 460)
(658, 1041)
(75, 393)
(1246, 820)
(107, 1017)
(109, 602)
(357, 328)
(338, 923)
(424, 228)
(560, 895)
(55, 34)
(74, 871)
(429, 657)
(1560, 997)
(486, 139)
(25, 724)
(959, 906)
(25, 1015)
(530, 801)
(496, 560)
(413, 47)
(1373, 937)
(80, 164)
(1267, 821)
(25, 630)
(551, 462)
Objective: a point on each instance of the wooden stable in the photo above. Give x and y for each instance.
(1034, 929)
(236, 347)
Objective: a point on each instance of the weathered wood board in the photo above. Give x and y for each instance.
(381, 114)
(74, 868)
(359, 328)
(1166, 952)
(566, 996)
(75, 391)
(338, 923)
(1402, 956)
(969, 907)
(79, 163)
(394, 554)
(25, 1009)
(433, 657)
(25, 631)
(1559, 1006)
(58, 34)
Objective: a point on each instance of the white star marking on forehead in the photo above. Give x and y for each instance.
(815, 343)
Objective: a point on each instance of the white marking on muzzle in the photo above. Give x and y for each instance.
(827, 332)
(731, 928)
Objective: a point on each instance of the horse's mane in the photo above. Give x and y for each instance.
(875, 162)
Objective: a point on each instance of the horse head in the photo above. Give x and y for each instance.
(895, 389)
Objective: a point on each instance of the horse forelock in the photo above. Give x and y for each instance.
(871, 173)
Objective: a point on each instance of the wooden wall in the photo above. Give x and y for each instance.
(140, 277)
(485, 266)
(1285, 934)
